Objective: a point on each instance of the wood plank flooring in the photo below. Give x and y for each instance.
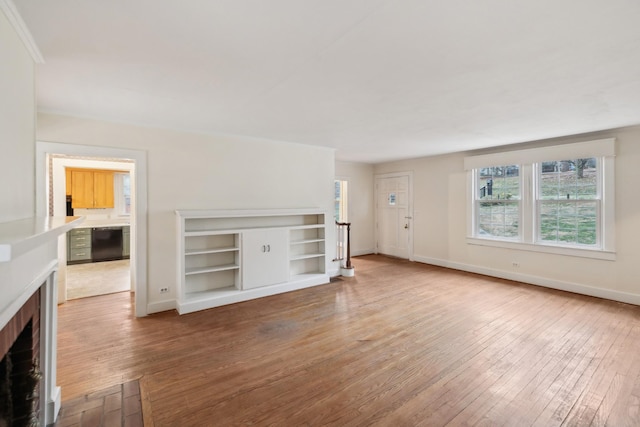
(402, 344)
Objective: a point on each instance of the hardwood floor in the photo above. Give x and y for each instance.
(400, 344)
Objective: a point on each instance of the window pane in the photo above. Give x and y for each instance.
(340, 200)
(498, 219)
(569, 179)
(337, 199)
(499, 183)
(569, 222)
(587, 216)
(126, 193)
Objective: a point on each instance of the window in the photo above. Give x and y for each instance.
(557, 199)
(340, 192)
(122, 193)
(568, 201)
(498, 201)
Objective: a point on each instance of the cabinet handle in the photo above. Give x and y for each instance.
(268, 248)
(264, 248)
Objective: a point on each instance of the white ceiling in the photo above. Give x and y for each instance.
(376, 79)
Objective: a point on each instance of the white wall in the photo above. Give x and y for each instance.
(194, 171)
(360, 204)
(17, 126)
(440, 224)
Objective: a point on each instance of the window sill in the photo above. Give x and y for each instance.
(548, 249)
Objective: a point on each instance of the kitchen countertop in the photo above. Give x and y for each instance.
(116, 222)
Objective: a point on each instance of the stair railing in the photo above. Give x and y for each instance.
(343, 245)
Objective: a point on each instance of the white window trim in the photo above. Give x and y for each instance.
(118, 194)
(603, 149)
(347, 199)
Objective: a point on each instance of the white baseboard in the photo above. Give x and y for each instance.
(537, 280)
(334, 272)
(53, 406)
(363, 252)
(157, 307)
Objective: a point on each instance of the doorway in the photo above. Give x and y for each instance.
(79, 275)
(394, 223)
(138, 227)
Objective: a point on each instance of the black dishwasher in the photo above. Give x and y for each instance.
(106, 243)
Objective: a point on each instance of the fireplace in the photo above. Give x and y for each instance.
(20, 368)
(28, 317)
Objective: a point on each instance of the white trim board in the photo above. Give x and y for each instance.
(560, 285)
(160, 306)
(362, 252)
(15, 19)
(598, 148)
(138, 223)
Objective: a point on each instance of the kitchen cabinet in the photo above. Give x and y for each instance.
(91, 188)
(126, 242)
(67, 175)
(84, 245)
(103, 189)
(79, 245)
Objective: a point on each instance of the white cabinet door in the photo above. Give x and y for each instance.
(264, 258)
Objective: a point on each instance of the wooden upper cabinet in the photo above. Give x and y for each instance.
(81, 189)
(91, 188)
(103, 189)
(67, 173)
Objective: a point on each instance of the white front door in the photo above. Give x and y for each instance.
(393, 215)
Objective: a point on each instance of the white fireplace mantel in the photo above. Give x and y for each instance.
(28, 262)
(21, 236)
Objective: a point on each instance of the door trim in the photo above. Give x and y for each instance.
(377, 176)
(138, 226)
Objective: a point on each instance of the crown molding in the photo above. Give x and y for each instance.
(12, 14)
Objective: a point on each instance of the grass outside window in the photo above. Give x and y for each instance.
(568, 200)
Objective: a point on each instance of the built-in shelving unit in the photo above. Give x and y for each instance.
(307, 249)
(230, 256)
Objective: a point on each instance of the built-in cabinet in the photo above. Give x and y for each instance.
(90, 188)
(230, 256)
(307, 249)
(211, 262)
(264, 257)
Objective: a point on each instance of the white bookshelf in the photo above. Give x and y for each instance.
(307, 250)
(231, 256)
